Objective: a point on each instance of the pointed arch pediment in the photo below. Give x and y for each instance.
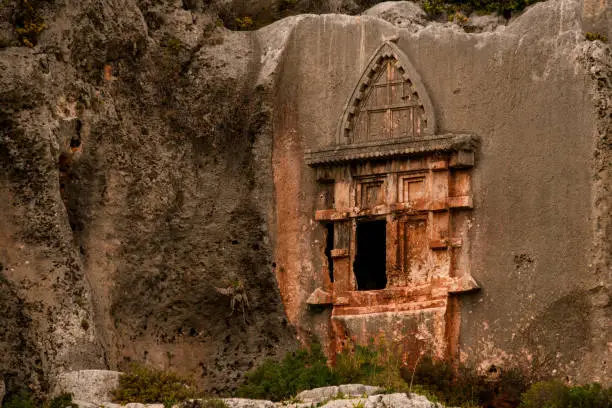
(388, 115)
(388, 102)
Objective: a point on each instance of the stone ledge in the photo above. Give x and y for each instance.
(319, 298)
(382, 149)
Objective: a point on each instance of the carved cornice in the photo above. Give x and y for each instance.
(384, 149)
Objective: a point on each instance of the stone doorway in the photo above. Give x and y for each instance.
(398, 195)
(371, 255)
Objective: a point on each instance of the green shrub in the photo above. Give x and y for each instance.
(358, 365)
(206, 403)
(306, 369)
(28, 22)
(554, 394)
(436, 376)
(26, 399)
(546, 394)
(433, 8)
(375, 364)
(298, 371)
(245, 23)
(464, 386)
(148, 385)
(61, 401)
(21, 399)
(595, 36)
(590, 396)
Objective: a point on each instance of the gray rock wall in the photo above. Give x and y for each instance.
(528, 91)
(136, 188)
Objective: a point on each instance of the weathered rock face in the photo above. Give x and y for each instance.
(136, 180)
(151, 163)
(540, 104)
(93, 386)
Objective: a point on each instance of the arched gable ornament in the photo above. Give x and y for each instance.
(389, 101)
(389, 114)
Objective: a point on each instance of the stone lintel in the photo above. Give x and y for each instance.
(330, 215)
(408, 298)
(412, 307)
(397, 208)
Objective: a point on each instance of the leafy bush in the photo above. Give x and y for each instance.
(25, 399)
(546, 394)
(378, 364)
(307, 369)
(554, 394)
(358, 365)
(298, 371)
(148, 385)
(245, 23)
(464, 386)
(28, 22)
(500, 6)
(458, 10)
(61, 401)
(375, 364)
(595, 36)
(206, 403)
(433, 7)
(21, 399)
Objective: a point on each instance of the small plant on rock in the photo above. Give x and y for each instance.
(28, 22)
(21, 399)
(245, 23)
(433, 8)
(236, 290)
(596, 36)
(61, 401)
(376, 364)
(358, 404)
(204, 403)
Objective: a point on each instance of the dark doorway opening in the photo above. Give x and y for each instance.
(329, 245)
(371, 258)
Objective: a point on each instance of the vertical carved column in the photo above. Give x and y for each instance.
(342, 264)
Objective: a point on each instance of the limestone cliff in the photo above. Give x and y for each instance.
(135, 181)
(151, 166)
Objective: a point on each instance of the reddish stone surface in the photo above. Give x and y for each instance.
(416, 196)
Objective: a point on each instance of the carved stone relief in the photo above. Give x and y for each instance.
(391, 187)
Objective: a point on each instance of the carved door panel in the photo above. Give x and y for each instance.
(414, 250)
(370, 193)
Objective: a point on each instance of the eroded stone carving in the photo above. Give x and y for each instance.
(389, 101)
